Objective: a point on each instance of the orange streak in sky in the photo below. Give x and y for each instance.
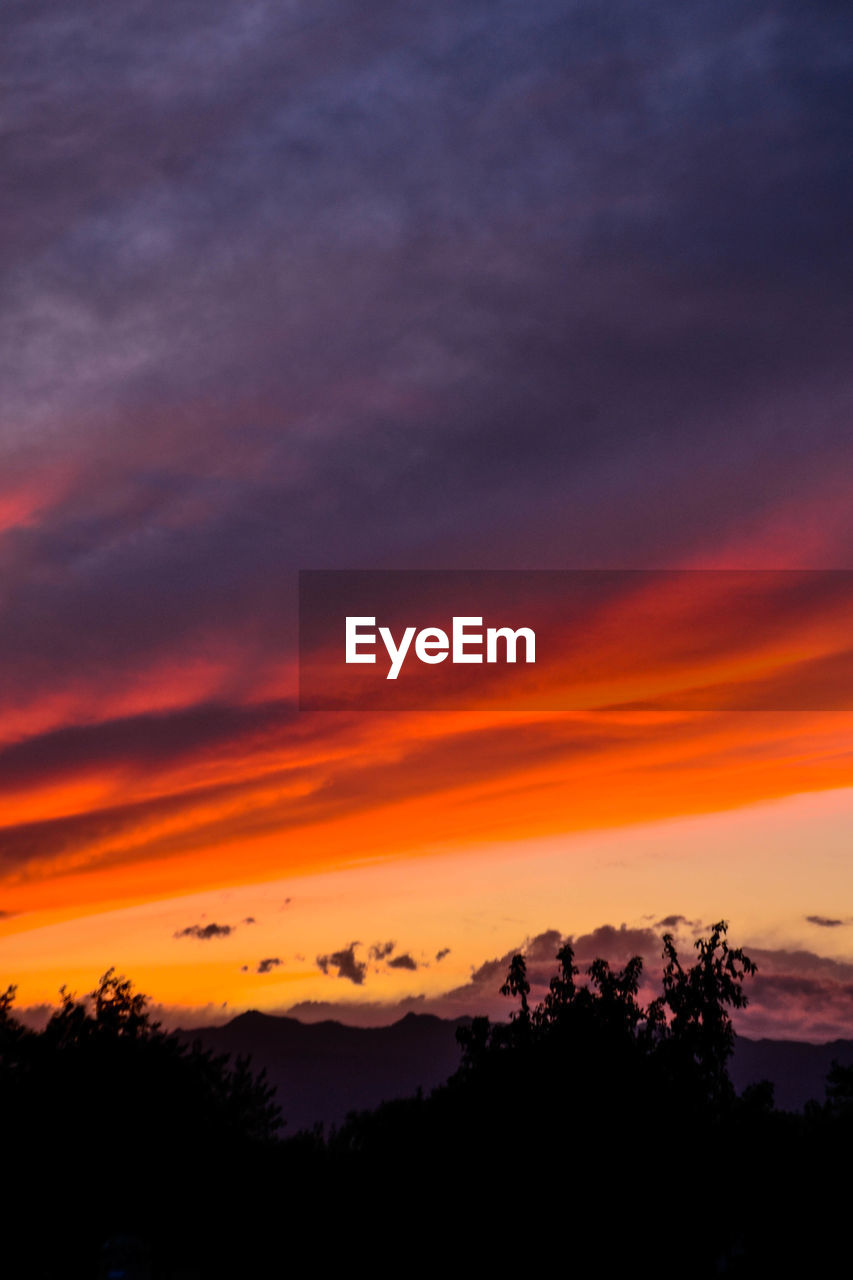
(401, 786)
(280, 794)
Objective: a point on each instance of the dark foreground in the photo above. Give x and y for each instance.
(589, 1124)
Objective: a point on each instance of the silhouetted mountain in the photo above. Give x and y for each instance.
(798, 1070)
(324, 1070)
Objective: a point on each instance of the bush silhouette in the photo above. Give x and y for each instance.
(125, 1126)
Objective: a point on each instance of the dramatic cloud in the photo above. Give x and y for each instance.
(481, 994)
(795, 994)
(799, 995)
(176, 434)
(808, 994)
(346, 964)
(266, 966)
(403, 961)
(205, 931)
(468, 285)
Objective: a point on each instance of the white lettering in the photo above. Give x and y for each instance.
(511, 638)
(354, 639)
(432, 645)
(461, 637)
(429, 639)
(396, 655)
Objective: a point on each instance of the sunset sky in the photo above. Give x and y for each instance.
(487, 285)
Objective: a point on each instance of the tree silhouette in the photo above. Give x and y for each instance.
(694, 1008)
(109, 1044)
(574, 1111)
(600, 1029)
(167, 1132)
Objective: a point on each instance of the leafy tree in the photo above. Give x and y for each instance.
(111, 1037)
(11, 1030)
(693, 1012)
(601, 1027)
(563, 988)
(167, 1132)
(517, 985)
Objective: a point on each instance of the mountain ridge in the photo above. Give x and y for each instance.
(324, 1070)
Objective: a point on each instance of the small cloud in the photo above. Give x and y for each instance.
(404, 961)
(266, 966)
(445, 951)
(673, 922)
(244, 968)
(825, 922)
(381, 950)
(205, 931)
(250, 920)
(345, 963)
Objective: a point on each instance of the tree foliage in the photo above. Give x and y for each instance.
(164, 1130)
(684, 1034)
(106, 1050)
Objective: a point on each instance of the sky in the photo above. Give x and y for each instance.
(481, 286)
